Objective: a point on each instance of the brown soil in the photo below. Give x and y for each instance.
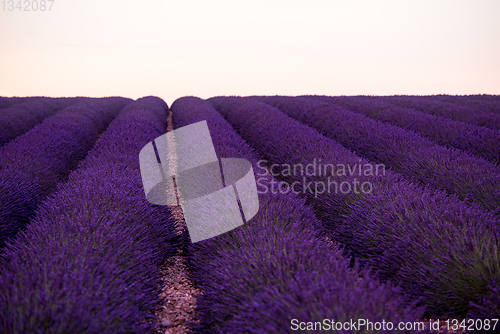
(181, 297)
(179, 290)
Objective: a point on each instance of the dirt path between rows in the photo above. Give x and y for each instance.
(178, 288)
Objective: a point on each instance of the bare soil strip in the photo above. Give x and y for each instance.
(179, 290)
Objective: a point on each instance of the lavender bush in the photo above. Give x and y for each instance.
(484, 103)
(6, 102)
(489, 306)
(449, 110)
(477, 140)
(88, 262)
(21, 117)
(32, 164)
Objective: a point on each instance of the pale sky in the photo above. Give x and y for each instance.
(207, 48)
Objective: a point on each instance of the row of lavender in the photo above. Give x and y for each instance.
(488, 103)
(439, 248)
(404, 151)
(482, 116)
(21, 117)
(88, 262)
(278, 266)
(6, 102)
(482, 103)
(34, 163)
(475, 139)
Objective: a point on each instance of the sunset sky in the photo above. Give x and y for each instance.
(206, 48)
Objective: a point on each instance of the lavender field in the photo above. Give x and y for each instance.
(378, 208)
